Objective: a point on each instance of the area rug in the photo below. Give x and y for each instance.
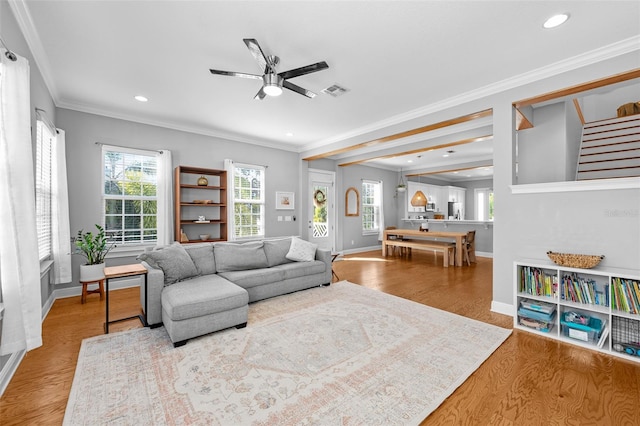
(337, 355)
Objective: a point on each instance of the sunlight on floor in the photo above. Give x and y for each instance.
(367, 259)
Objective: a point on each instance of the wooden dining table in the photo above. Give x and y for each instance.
(459, 238)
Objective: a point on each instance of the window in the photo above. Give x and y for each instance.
(44, 158)
(371, 205)
(130, 195)
(484, 203)
(248, 200)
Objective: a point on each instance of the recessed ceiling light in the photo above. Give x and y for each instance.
(445, 155)
(289, 134)
(409, 161)
(556, 20)
(140, 98)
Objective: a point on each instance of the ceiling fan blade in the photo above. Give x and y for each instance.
(298, 89)
(260, 95)
(256, 51)
(236, 74)
(304, 70)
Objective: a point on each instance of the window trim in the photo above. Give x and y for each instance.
(379, 206)
(123, 249)
(476, 193)
(41, 128)
(261, 201)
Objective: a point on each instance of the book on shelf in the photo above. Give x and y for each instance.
(605, 333)
(625, 295)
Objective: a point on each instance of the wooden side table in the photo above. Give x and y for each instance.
(85, 291)
(122, 271)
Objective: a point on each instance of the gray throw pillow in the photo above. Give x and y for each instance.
(202, 256)
(276, 250)
(239, 256)
(174, 262)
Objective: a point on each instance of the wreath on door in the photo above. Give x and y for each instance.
(319, 198)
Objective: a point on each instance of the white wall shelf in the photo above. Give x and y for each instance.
(546, 283)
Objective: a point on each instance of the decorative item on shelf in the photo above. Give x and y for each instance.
(583, 261)
(94, 247)
(201, 218)
(203, 181)
(202, 201)
(183, 237)
(205, 237)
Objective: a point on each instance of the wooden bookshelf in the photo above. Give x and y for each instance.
(193, 200)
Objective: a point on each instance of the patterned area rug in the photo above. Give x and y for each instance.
(337, 355)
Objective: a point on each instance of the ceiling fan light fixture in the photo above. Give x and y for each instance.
(272, 85)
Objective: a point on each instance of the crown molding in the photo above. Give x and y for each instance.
(28, 28)
(607, 52)
(174, 126)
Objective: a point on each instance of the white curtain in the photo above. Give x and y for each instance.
(381, 215)
(60, 232)
(165, 198)
(231, 233)
(20, 266)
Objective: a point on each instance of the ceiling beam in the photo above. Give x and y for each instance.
(447, 171)
(419, 150)
(595, 84)
(407, 133)
(522, 122)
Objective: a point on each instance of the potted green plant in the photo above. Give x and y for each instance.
(94, 247)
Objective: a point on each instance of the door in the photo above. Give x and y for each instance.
(321, 209)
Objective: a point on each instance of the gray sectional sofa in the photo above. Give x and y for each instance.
(195, 289)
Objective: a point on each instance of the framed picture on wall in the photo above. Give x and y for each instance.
(285, 200)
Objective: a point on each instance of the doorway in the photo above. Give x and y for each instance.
(321, 208)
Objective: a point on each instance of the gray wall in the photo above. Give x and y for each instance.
(527, 225)
(84, 163)
(350, 237)
(541, 150)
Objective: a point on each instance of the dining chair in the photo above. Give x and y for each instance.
(469, 248)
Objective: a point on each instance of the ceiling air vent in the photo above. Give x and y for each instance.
(335, 90)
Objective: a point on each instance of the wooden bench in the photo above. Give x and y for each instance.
(447, 249)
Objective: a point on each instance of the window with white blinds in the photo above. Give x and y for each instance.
(129, 182)
(44, 143)
(371, 205)
(248, 200)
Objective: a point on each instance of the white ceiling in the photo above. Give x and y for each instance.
(395, 57)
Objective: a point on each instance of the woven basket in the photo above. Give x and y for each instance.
(584, 261)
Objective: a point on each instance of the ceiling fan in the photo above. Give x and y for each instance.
(274, 82)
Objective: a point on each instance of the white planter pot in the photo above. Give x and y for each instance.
(91, 272)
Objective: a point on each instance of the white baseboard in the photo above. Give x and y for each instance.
(361, 250)
(63, 293)
(502, 308)
(9, 369)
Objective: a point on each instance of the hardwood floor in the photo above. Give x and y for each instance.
(529, 380)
